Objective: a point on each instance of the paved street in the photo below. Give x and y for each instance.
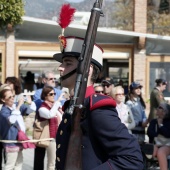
(28, 159)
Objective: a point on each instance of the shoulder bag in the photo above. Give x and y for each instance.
(41, 131)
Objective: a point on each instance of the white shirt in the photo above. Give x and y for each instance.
(48, 114)
(125, 115)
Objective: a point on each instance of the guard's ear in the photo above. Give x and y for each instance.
(91, 69)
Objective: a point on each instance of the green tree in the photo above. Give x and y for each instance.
(11, 12)
(157, 23)
(122, 14)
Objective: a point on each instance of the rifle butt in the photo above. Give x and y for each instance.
(74, 155)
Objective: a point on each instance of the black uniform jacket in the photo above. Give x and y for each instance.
(106, 142)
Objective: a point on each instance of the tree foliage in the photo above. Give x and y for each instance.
(123, 14)
(11, 12)
(157, 23)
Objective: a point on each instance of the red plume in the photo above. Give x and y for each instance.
(66, 15)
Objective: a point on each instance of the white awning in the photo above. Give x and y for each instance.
(48, 31)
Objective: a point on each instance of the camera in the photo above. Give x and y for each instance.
(25, 98)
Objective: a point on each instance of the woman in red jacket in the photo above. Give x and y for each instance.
(49, 110)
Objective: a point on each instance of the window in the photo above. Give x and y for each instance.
(160, 70)
(119, 73)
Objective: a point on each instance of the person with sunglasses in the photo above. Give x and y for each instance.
(124, 112)
(159, 134)
(11, 122)
(49, 110)
(107, 84)
(2, 152)
(104, 137)
(137, 105)
(99, 89)
(48, 79)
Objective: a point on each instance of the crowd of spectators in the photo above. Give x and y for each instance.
(15, 105)
(13, 108)
(130, 107)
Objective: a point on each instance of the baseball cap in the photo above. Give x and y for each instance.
(73, 47)
(109, 82)
(135, 85)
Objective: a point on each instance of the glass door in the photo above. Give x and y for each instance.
(118, 70)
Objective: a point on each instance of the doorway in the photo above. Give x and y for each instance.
(117, 70)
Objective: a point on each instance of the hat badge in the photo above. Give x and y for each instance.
(63, 42)
(65, 17)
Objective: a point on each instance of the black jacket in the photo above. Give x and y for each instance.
(106, 142)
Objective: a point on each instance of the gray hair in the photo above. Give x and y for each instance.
(115, 89)
(46, 73)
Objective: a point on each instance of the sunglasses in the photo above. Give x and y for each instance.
(51, 94)
(10, 97)
(107, 85)
(160, 108)
(51, 79)
(98, 91)
(120, 94)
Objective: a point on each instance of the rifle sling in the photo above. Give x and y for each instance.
(68, 75)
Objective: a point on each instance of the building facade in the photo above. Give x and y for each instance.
(128, 55)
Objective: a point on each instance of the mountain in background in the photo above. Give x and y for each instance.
(49, 9)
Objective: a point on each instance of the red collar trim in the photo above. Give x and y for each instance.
(89, 91)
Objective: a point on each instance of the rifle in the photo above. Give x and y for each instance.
(73, 158)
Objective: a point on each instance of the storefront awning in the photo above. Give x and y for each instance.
(34, 29)
(47, 30)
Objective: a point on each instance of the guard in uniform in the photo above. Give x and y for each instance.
(157, 97)
(106, 142)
